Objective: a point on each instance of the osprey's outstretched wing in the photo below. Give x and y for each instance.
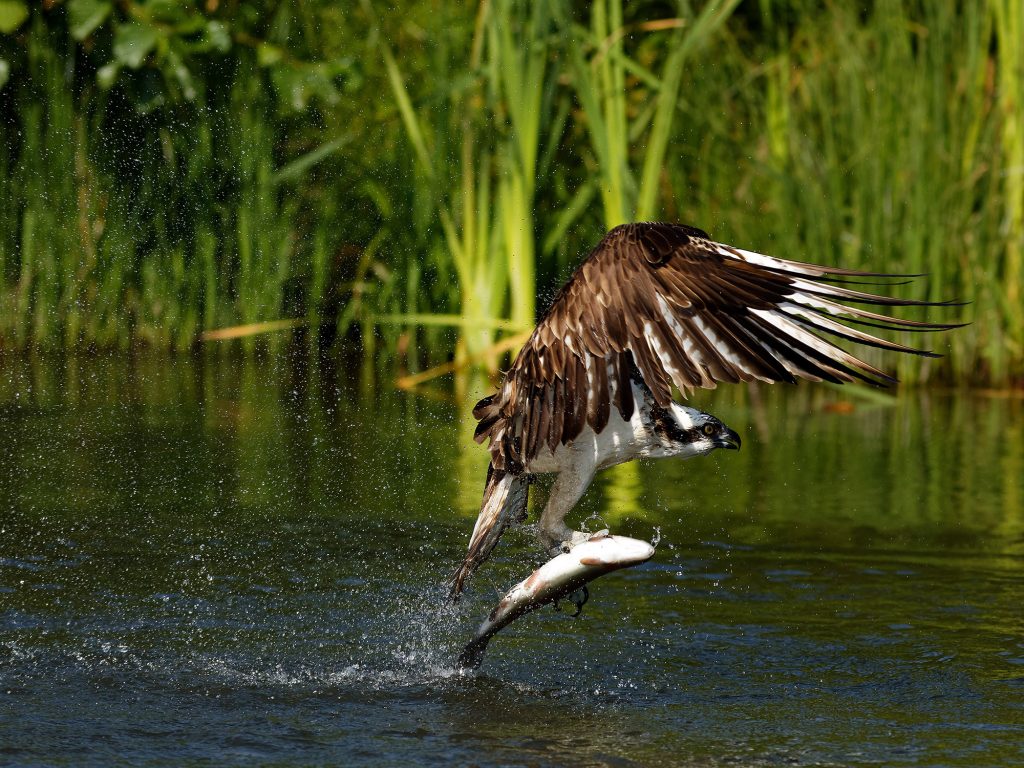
(684, 310)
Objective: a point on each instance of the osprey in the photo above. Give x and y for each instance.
(656, 305)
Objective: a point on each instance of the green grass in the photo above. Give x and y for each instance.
(478, 146)
(475, 155)
(135, 229)
(885, 140)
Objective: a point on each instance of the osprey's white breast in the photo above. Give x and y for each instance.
(620, 441)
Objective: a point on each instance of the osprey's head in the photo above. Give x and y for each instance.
(694, 433)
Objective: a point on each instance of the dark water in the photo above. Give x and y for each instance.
(223, 564)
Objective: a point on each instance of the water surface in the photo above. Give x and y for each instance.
(224, 563)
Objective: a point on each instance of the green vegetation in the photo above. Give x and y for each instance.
(413, 180)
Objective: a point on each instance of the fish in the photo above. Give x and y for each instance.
(555, 580)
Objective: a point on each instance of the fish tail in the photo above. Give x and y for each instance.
(504, 502)
(472, 655)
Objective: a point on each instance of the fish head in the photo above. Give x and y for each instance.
(613, 552)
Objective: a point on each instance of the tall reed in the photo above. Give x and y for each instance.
(621, 138)
(478, 154)
(1008, 20)
(483, 188)
(121, 227)
(884, 140)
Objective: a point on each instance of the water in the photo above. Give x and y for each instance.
(239, 564)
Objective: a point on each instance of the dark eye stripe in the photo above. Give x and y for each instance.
(665, 425)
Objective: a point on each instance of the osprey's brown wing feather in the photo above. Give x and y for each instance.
(683, 310)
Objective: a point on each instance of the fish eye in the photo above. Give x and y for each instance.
(709, 429)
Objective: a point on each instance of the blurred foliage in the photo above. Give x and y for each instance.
(160, 159)
(160, 51)
(406, 177)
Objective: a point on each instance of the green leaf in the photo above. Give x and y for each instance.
(173, 12)
(182, 75)
(146, 91)
(133, 42)
(106, 75)
(297, 168)
(268, 55)
(86, 15)
(290, 88)
(5, 73)
(12, 15)
(217, 36)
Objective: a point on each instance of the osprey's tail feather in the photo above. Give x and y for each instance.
(504, 502)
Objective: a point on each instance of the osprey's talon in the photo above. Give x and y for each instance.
(579, 599)
(578, 537)
(567, 544)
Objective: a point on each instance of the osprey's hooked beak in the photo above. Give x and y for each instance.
(727, 439)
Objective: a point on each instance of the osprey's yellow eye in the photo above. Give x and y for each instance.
(709, 430)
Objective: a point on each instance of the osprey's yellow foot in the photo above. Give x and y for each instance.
(565, 541)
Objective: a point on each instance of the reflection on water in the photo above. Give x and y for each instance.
(229, 563)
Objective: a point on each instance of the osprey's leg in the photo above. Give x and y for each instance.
(555, 536)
